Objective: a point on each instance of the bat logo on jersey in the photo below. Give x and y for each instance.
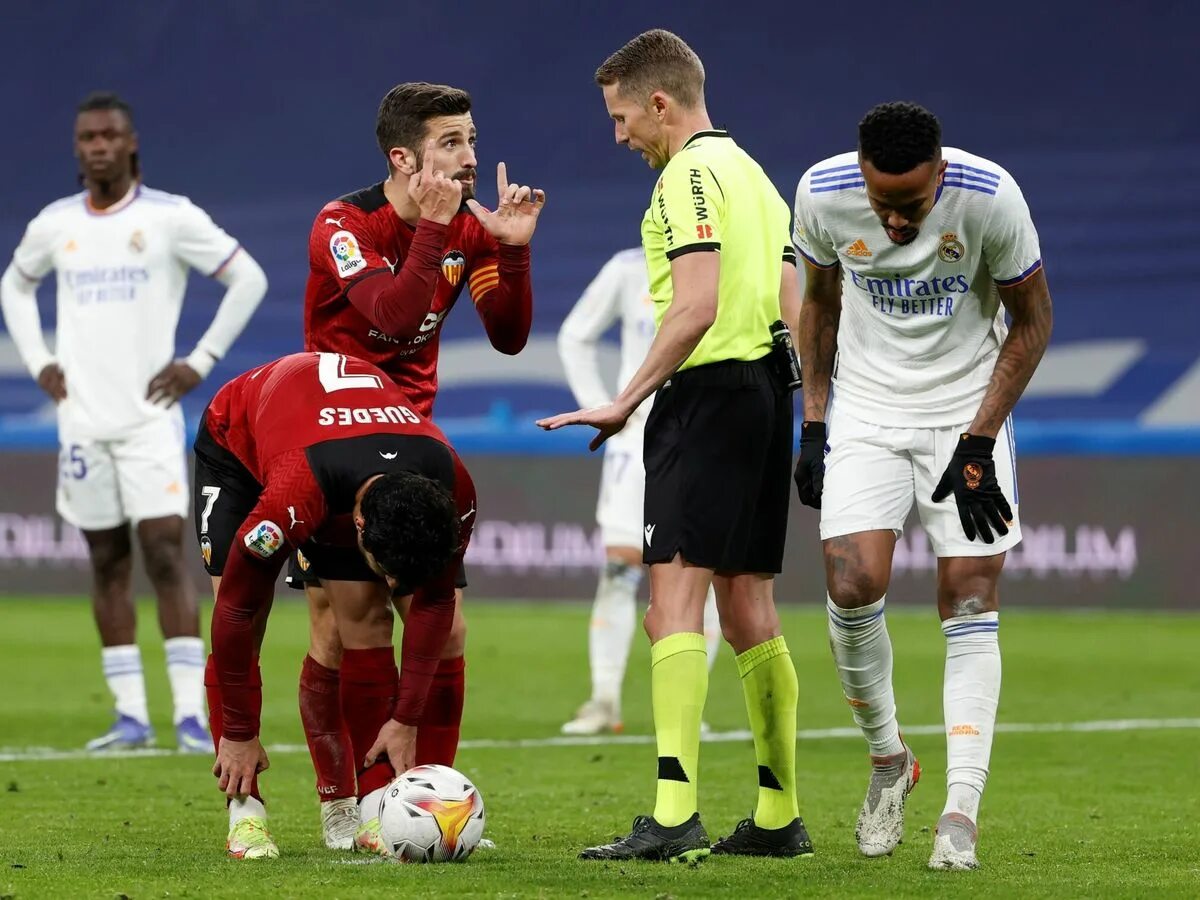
(346, 254)
(137, 242)
(206, 550)
(454, 263)
(264, 539)
(951, 249)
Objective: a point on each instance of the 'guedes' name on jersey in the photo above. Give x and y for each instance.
(921, 323)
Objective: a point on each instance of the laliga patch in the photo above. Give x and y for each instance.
(264, 539)
(346, 254)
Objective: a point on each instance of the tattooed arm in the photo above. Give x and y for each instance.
(819, 314)
(1028, 303)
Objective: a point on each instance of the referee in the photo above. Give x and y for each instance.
(717, 446)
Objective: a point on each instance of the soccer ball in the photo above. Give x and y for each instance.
(431, 814)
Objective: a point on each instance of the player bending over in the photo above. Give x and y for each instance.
(913, 254)
(321, 452)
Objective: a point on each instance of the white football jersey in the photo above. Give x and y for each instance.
(621, 290)
(921, 324)
(121, 278)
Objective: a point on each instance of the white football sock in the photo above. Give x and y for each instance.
(244, 808)
(368, 807)
(712, 627)
(862, 650)
(123, 672)
(185, 670)
(611, 630)
(970, 694)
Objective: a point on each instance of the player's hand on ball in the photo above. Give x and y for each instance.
(810, 468)
(516, 215)
(396, 741)
(175, 380)
(53, 382)
(438, 195)
(237, 764)
(607, 420)
(971, 475)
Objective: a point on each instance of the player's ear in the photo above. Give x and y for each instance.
(658, 104)
(403, 160)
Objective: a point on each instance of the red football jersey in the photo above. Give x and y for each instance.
(311, 428)
(357, 250)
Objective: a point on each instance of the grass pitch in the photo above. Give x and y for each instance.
(1068, 813)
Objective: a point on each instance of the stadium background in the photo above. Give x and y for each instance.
(261, 113)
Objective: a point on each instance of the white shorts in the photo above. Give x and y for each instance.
(873, 473)
(102, 484)
(620, 508)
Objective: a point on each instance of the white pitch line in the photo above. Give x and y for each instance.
(41, 754)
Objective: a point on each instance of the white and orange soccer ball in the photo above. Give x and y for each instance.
(431, 814)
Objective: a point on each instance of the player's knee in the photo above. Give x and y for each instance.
(852, 587)
(164, 563)
(968, 596)
(111, 564)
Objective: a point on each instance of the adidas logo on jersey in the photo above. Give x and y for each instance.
(859, 248)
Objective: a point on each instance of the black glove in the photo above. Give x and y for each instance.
(972, 476)
(810, 468)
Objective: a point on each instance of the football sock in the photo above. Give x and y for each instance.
(679, 686)
(970, 695)
(185, 671)
(611, 630)
(212, 687)
(325, 731)
(368, 807)
(437, 738)
(369, 685)
(771, 689)
(245, 807)
(123, 672)
(862, 650)
(712, 627)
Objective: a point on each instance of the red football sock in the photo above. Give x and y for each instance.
(326, 732)
(370, 682)
(212, 688)
(437, 738)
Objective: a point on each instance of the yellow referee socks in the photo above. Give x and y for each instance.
(769, 682)
(679, 686)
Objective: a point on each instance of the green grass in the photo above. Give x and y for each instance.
(1066, 814)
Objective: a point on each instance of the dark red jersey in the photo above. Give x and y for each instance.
(379, 289)
(310, 429)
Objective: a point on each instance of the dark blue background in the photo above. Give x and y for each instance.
(261, 112)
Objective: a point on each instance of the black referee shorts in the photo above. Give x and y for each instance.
(718, 456)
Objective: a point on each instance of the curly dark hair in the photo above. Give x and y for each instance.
(406, 108)
(410, 526)
(897, 137)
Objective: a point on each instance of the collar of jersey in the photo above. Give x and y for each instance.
(116, 207)
(709, 132)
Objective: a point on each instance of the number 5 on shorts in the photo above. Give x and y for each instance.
(212, 493)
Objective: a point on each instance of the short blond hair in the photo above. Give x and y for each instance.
(656, 60)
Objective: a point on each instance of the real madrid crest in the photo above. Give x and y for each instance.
(137, 242)
(453, 265)
(951, 249)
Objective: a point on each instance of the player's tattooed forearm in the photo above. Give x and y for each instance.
(1033, 319)
(818, 347)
